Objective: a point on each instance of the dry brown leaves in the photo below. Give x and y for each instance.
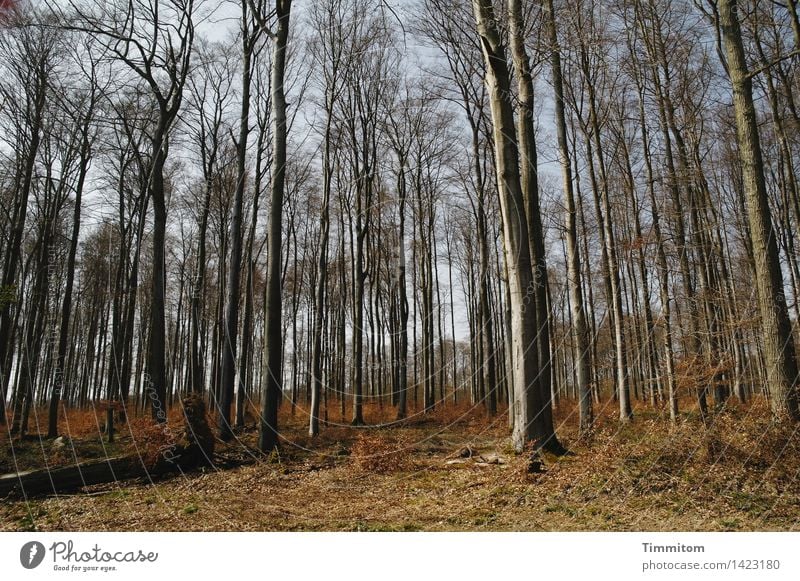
(382, 452)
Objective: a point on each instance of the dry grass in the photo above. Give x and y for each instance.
(740, 473)
(84, 438)
(382, 453)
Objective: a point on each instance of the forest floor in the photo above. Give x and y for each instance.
(451, 470)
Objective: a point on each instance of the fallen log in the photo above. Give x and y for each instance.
(67, 478)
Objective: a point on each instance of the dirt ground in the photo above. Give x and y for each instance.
(453, 470)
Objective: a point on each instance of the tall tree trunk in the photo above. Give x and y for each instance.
(322, 278)
(156, 387)
(232, 293)
(581, 348)
(66, 305)
(779, 352)
(402, 348)
(268, 429)
(529, 181)
(532, 416)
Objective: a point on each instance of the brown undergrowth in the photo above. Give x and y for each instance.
(453, 469)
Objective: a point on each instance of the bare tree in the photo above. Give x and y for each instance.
(154, 42)
(579, 328)
(80, 106)
(29, 58)
(779, 351)
(273, 371)
(249, 37)
(532, 416)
